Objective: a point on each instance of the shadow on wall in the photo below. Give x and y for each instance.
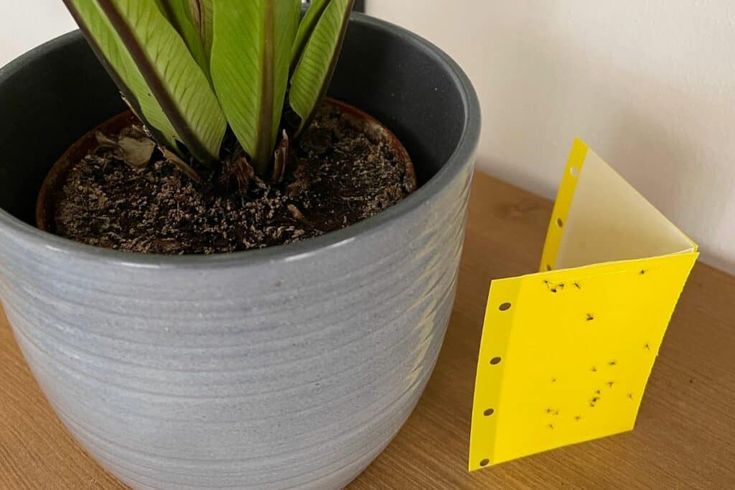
(650, 93)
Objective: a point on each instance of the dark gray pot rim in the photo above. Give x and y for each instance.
(284, 253)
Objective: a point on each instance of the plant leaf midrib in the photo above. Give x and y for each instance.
(267, 91)
(158, 90)
(126, 93)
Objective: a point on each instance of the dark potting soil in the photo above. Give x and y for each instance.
(337, 176)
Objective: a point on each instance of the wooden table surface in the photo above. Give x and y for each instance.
(685, 435)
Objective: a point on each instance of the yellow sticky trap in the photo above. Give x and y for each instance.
(566, 352)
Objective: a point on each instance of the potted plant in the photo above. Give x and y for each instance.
(287, 366)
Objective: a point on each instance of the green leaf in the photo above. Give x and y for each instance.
(183, 16)
(314, 70)
(251, 51)
(155, 71)
(306, 28)
(203, 14)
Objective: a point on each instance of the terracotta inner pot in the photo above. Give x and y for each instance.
(50, 189)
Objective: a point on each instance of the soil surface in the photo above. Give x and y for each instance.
(337, 175)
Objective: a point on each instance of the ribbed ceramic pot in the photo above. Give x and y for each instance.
(289, 367)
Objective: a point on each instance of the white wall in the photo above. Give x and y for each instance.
(650, 84)
(25, 24)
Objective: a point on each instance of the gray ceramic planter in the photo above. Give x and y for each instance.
(287, 367)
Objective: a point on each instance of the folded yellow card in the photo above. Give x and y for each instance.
(566, 352)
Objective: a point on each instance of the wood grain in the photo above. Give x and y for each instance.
(685, 435)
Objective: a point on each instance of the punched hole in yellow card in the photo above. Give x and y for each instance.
(566, 352)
